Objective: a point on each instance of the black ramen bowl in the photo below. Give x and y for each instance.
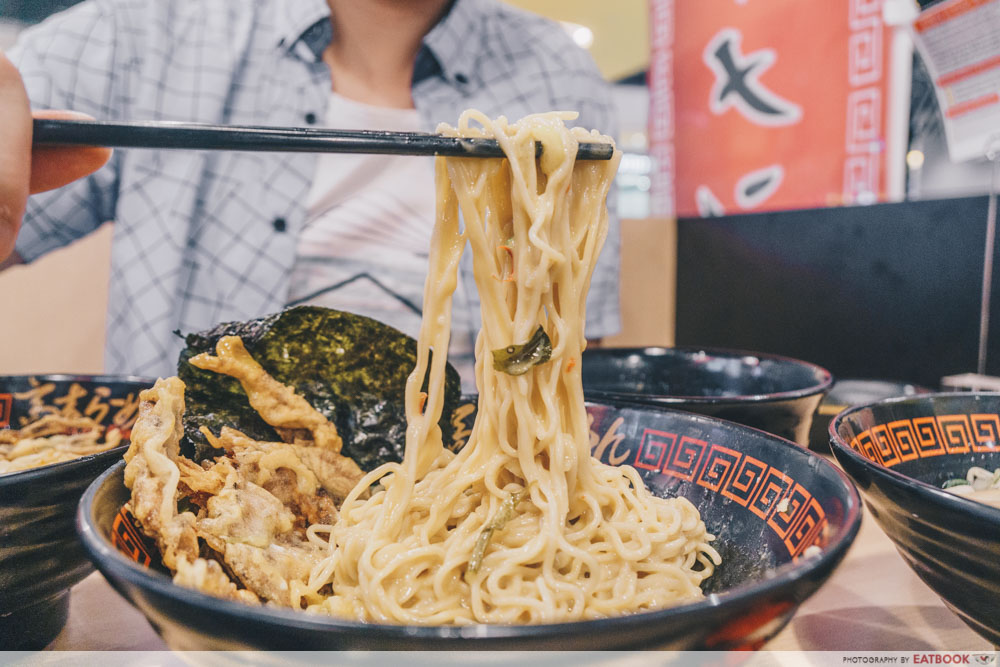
(899, 452)
(735, 475)
(773, 393)
(848, 393)
(40, 555)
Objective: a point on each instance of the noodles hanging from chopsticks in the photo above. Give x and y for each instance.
(522, 525)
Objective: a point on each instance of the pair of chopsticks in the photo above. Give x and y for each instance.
(272, 139)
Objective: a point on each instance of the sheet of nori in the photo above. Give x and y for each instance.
(351, 368)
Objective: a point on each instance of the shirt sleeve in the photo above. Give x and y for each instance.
(68, 62)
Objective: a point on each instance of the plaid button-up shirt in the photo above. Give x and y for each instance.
(206, 237)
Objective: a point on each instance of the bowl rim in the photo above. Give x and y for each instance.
(107, 559)
(926, 491)
(824, 384)
(34, 474)
(82, 377)
(39, 473)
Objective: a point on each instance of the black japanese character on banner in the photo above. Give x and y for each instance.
(708, 204)
(752, 190)
(737, 82)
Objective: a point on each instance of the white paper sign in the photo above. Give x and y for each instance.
(959, 41)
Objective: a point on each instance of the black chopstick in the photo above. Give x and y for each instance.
(272, 139)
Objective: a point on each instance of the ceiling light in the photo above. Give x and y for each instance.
(581, 34)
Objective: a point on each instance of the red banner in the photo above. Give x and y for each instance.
(770, 105)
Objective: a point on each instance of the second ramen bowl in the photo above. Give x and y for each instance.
(899, 452)
(40, 555)
(783, 517)
(770, 392)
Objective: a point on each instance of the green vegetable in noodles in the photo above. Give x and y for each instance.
(518, 359)
(505, 514)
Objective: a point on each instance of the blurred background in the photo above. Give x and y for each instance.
(881, 279)
(617, 36)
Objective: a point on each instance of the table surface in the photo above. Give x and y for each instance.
(872, 602)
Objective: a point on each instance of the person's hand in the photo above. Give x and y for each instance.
(23, 171)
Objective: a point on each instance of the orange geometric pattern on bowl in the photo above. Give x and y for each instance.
(127, 537)
(923, 437)
(6, 404)
(747, 481)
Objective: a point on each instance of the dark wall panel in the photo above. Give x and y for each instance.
(889, 291)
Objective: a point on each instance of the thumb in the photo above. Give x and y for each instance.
(55, 166)
(15, 158)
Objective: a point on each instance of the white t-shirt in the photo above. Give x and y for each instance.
(364, 247)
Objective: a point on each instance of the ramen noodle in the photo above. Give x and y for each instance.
(979, 484)
(522, 525)
(53, 439)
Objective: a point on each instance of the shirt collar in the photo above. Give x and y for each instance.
(450, 47)
(454, 42)
(304, 27)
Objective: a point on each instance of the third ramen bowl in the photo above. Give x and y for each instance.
(40, 556)
(783, 518)
(773, 393)
(900, 452)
